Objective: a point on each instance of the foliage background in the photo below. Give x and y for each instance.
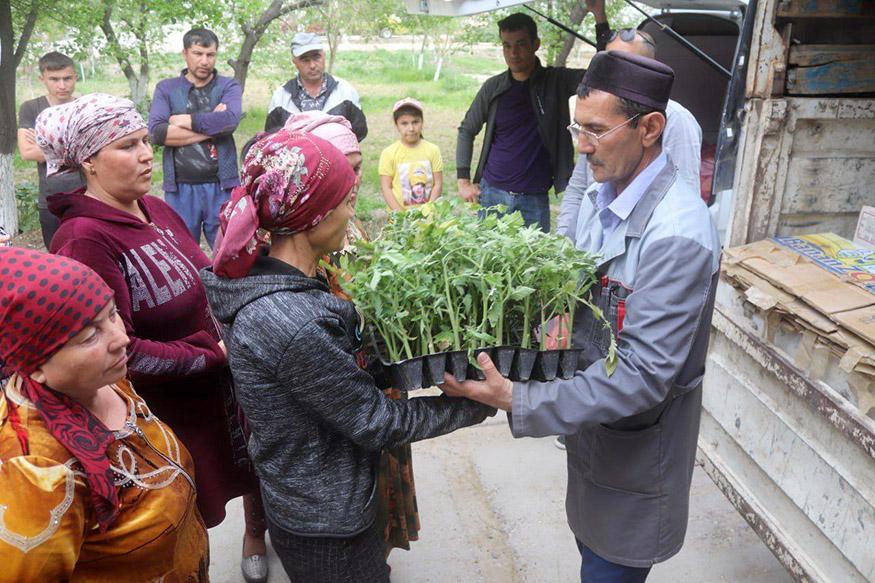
(471, 54)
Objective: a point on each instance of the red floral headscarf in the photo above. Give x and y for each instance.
(289, 184)
(45, 300)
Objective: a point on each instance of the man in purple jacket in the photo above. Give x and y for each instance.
(194, 117)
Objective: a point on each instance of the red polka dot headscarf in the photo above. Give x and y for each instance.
(45, 300)
(70, 133)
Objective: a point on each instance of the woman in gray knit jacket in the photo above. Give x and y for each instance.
(318, 421)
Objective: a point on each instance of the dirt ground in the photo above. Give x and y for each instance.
(493, 511)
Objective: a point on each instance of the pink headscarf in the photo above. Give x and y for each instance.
(289, 184)
(332, 128)
(70, 133)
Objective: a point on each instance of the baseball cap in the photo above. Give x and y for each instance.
(304, 42)
(407, 102)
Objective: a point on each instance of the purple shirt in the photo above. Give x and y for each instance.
(518, 160)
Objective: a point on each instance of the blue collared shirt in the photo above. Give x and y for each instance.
(614, 209)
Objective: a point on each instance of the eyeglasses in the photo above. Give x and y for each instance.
(628, 35)
(592, 137)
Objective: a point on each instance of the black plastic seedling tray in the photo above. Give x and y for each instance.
(517, 364)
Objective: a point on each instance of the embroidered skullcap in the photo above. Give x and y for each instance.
(45, 300)
(639, 79)
(71, 133)
(289, 184)
(335, 129)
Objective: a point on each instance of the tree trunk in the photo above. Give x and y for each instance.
(10, 56)
(141, 96)
(437, 72)
(333, 41)
(8, 210)
(139, 87)
(138, 84)
(577, 15)
(422, 51)
(240, 65)
(253, 31)
(7, 80)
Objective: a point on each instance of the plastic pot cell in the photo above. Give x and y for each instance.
(474, 370)
(568, 362)
(407, 374)
(546, 365)
(457, 364)
(433, 368)
(523, 361)
(502, 357)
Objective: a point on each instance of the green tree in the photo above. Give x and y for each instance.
(560, 43)
(254, 19)
(133, 29)
(336, 18)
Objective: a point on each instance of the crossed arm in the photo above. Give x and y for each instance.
(176, 130)
(27, 146)
(179, 132)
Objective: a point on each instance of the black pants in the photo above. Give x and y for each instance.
(306, 559)
(49, 223)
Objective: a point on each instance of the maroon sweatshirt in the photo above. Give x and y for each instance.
(174, 358)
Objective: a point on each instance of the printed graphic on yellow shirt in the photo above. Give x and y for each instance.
(416, 181)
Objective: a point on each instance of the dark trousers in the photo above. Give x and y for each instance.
(594, 569)
(48, 223)
(310, 559)
(198, 205)
(533, 206)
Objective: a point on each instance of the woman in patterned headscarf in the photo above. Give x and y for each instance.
(398, 515)
(318, 421)
(92, 485)
(145, 253)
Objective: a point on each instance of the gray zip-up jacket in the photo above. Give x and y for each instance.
(318, 422)
(632, 435)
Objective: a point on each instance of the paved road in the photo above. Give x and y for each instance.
(492, 511)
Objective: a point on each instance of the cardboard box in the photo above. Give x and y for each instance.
(819, 292)
(865, 234)
(820, 283)
(836, 255)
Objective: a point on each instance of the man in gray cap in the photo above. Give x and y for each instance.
(313, 88)
(631, 423)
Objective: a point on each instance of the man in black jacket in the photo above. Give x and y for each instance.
(526, 149)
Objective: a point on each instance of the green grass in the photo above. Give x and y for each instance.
(381, 77)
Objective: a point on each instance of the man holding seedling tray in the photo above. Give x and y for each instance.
(631, 423)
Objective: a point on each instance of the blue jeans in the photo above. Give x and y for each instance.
(198, 205)
(533, 206)
(594, 569)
